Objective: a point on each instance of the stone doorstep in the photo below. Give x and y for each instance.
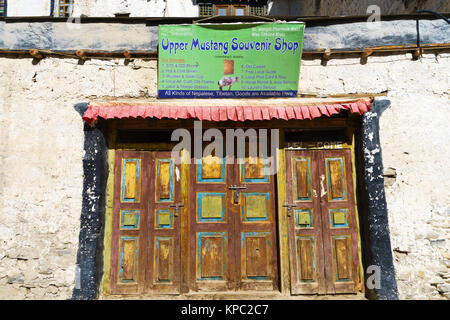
(255, 295)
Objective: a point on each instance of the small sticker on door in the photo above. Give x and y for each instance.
(322, 187)
(177, 173)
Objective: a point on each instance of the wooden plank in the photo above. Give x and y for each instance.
(211, 167)
(189, 123)
(185, 263)
(306, 259)
(342, 263)
(255, 206)
(256, 257)
(163, 217)
(339, 217)
(211, 206)
(164, 179)
(254, 168)
(109, 208)
(302, 174)
(360, 270)
(130, 179)
(211, 257)
(128, 259)
(164, 258)
(304, 218)
(129, 219)
(337, 179)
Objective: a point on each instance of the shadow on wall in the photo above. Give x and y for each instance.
(353, 7)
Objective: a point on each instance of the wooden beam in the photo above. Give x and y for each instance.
(35, 54)
(127, 54)
(417, 53)
(153, 54)
(326, 54)
(367, 52)
(81, 54)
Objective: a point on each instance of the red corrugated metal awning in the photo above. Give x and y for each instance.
(223, 109)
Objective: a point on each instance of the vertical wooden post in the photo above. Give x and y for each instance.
(282, 219)
(112, 139)
(353, 159)
(184, 232)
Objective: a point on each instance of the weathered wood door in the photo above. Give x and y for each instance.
(255, 226)
(323, 239)
(232, 230)
(146, 223)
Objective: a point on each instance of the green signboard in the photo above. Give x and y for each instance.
(229, 60)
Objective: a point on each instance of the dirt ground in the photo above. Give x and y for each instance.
(238, 296)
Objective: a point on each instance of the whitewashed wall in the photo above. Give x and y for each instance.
(107, 8)
(41, 150)
(28, 8)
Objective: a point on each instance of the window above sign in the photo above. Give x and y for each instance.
(65, 8)
(232, 8)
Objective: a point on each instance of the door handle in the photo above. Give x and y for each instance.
(237, 187)
(177, 207)
(236, 191)
(289, 207)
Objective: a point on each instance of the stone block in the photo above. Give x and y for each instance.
(444, 288)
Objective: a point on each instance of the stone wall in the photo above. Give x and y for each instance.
(41, 150)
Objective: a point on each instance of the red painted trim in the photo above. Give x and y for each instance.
(238, 112)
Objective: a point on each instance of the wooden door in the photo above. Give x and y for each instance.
(255, 225)
(323, 245)
(211, 226)
(146, 228)
(129, 222)
(233, 226)
(304, 223)
(165, 210)
(340, 232)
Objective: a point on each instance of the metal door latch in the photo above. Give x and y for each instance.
(177, 207)
(289, 207)
(236, 190)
